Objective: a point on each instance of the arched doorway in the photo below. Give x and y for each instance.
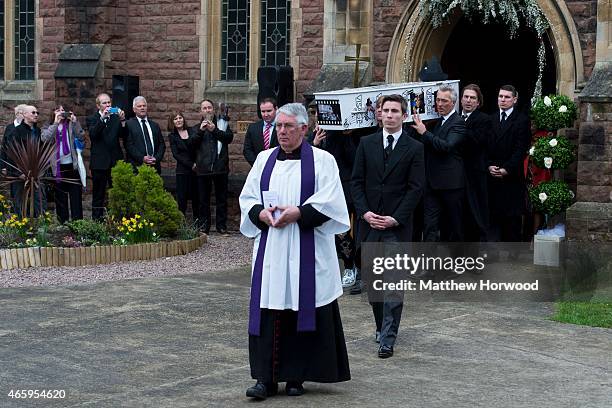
(415, 41)
(483, 54)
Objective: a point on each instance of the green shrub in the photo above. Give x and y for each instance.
(121, 197)
(89, 232)
(553, 112)
(556, 149)
(551, 197)
(155, 203)
(143, 194)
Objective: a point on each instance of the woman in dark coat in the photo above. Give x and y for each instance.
(181, 137)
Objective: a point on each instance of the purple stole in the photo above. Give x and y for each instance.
(61, 141)
(306, 312)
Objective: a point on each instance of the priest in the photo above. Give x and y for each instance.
(292, 204)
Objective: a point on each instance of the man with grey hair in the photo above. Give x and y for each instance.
(444, 170)
(295, 331)
(144, 143)
(9, 131)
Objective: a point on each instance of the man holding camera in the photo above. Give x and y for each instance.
(106, 126)
(212, 165)
(145, 143)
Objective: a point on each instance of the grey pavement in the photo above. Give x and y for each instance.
(181, 342)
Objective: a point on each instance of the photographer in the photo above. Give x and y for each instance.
(212, 165)
(106, 126)
(64, 128)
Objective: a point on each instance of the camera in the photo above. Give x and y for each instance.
(65, 115)
(114, 110)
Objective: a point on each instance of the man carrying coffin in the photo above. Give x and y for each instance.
(292, 204)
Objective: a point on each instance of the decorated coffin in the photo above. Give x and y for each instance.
(356, 108)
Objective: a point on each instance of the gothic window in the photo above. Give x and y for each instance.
(24, 39)
(235, 40)
(253, 33)
(17, 34)
(275, 28)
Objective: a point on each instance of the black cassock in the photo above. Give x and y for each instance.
(282, 354)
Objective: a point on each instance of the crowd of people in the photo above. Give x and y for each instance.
(459, 178)
(200, 151)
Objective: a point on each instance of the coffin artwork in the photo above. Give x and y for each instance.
(356, 108)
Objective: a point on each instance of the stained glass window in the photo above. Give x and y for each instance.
(275, 29)
(235, 40)
(24, 39)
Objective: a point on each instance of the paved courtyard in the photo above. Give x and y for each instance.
(181, 342)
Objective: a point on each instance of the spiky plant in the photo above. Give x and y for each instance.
(30, 161)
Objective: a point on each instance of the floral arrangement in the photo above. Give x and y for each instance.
(513, 14)
(553, 112)
(552, 152)
(551, 197)
(136, 230)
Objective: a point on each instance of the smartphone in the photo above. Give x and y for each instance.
(113, 110)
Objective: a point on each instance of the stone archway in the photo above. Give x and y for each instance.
(415, 41)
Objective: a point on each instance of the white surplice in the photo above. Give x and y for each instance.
(281, 264)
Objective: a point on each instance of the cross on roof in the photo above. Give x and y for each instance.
(357, 60)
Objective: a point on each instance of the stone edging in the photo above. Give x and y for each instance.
(94, 255)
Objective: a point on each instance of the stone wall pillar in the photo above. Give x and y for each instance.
(591, 217)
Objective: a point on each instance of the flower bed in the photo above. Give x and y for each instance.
(94, 255)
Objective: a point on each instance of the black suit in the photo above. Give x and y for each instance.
(254, 143)
(478, 126)
(136, 147)
(445, 175)
(507, 149)
(391, 187)
(105, 152)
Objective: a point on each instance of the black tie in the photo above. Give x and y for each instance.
(503, 117)
(147, 137)
(389, 147)
(464, 116)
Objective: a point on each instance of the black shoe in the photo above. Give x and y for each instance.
(223, 231)
(356, 289)
(261, 391)
(385, 351)
(377, 337)
(294, 389)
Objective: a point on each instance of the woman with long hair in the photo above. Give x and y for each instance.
(180, 137)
